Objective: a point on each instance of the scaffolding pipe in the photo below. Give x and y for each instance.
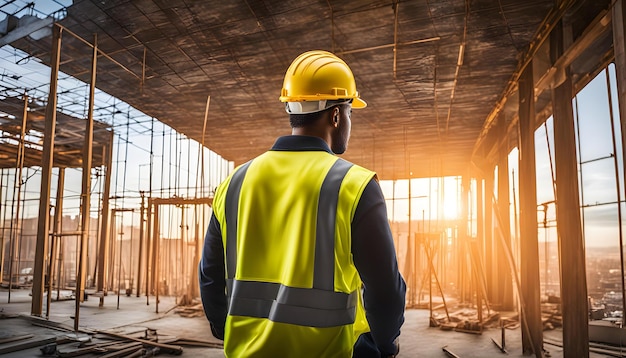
(46, 173)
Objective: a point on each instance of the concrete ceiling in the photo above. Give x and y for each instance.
(427, 101)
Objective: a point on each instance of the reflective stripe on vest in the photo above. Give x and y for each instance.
(319, 306)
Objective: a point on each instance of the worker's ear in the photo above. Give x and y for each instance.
(334, 117)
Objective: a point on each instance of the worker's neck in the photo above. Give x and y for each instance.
(313, 132)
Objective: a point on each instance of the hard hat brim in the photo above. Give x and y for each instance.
(358, 103)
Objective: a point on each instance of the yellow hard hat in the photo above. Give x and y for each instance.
(319, 76)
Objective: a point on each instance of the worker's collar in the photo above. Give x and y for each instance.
(301, 143)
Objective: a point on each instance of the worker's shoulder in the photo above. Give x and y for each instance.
(357, 169)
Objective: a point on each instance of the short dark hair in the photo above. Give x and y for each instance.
(304, 120)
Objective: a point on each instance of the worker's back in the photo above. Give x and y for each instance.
(293, 288)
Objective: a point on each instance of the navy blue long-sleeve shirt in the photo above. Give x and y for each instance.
(372, 250)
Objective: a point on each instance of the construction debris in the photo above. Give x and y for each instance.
(449, 353)
(36, 342)
(167, 348)
(190, 311)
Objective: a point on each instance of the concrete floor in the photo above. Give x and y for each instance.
(134, 316)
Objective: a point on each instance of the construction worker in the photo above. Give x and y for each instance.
(298, 259)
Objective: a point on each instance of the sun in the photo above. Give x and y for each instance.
(450, 208)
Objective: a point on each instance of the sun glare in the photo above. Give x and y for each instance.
(450, 208)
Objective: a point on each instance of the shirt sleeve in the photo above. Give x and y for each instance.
(212, 277)
(375, 259)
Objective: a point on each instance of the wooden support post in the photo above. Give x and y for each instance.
(569, 228)
(86, 189)
(195, 289)
(17, 194)
(142, 222)
(480, 238)
(465, 269)
(149, 250)
(103, 258)
(489, 245)
(54, 239)
(504, 280)
(156, 274)
(46, 173)
(532, 341)
(181, 273)
(619, 45)
(111, 250)
(1, 228)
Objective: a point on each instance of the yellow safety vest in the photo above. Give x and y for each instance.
(293, 289)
